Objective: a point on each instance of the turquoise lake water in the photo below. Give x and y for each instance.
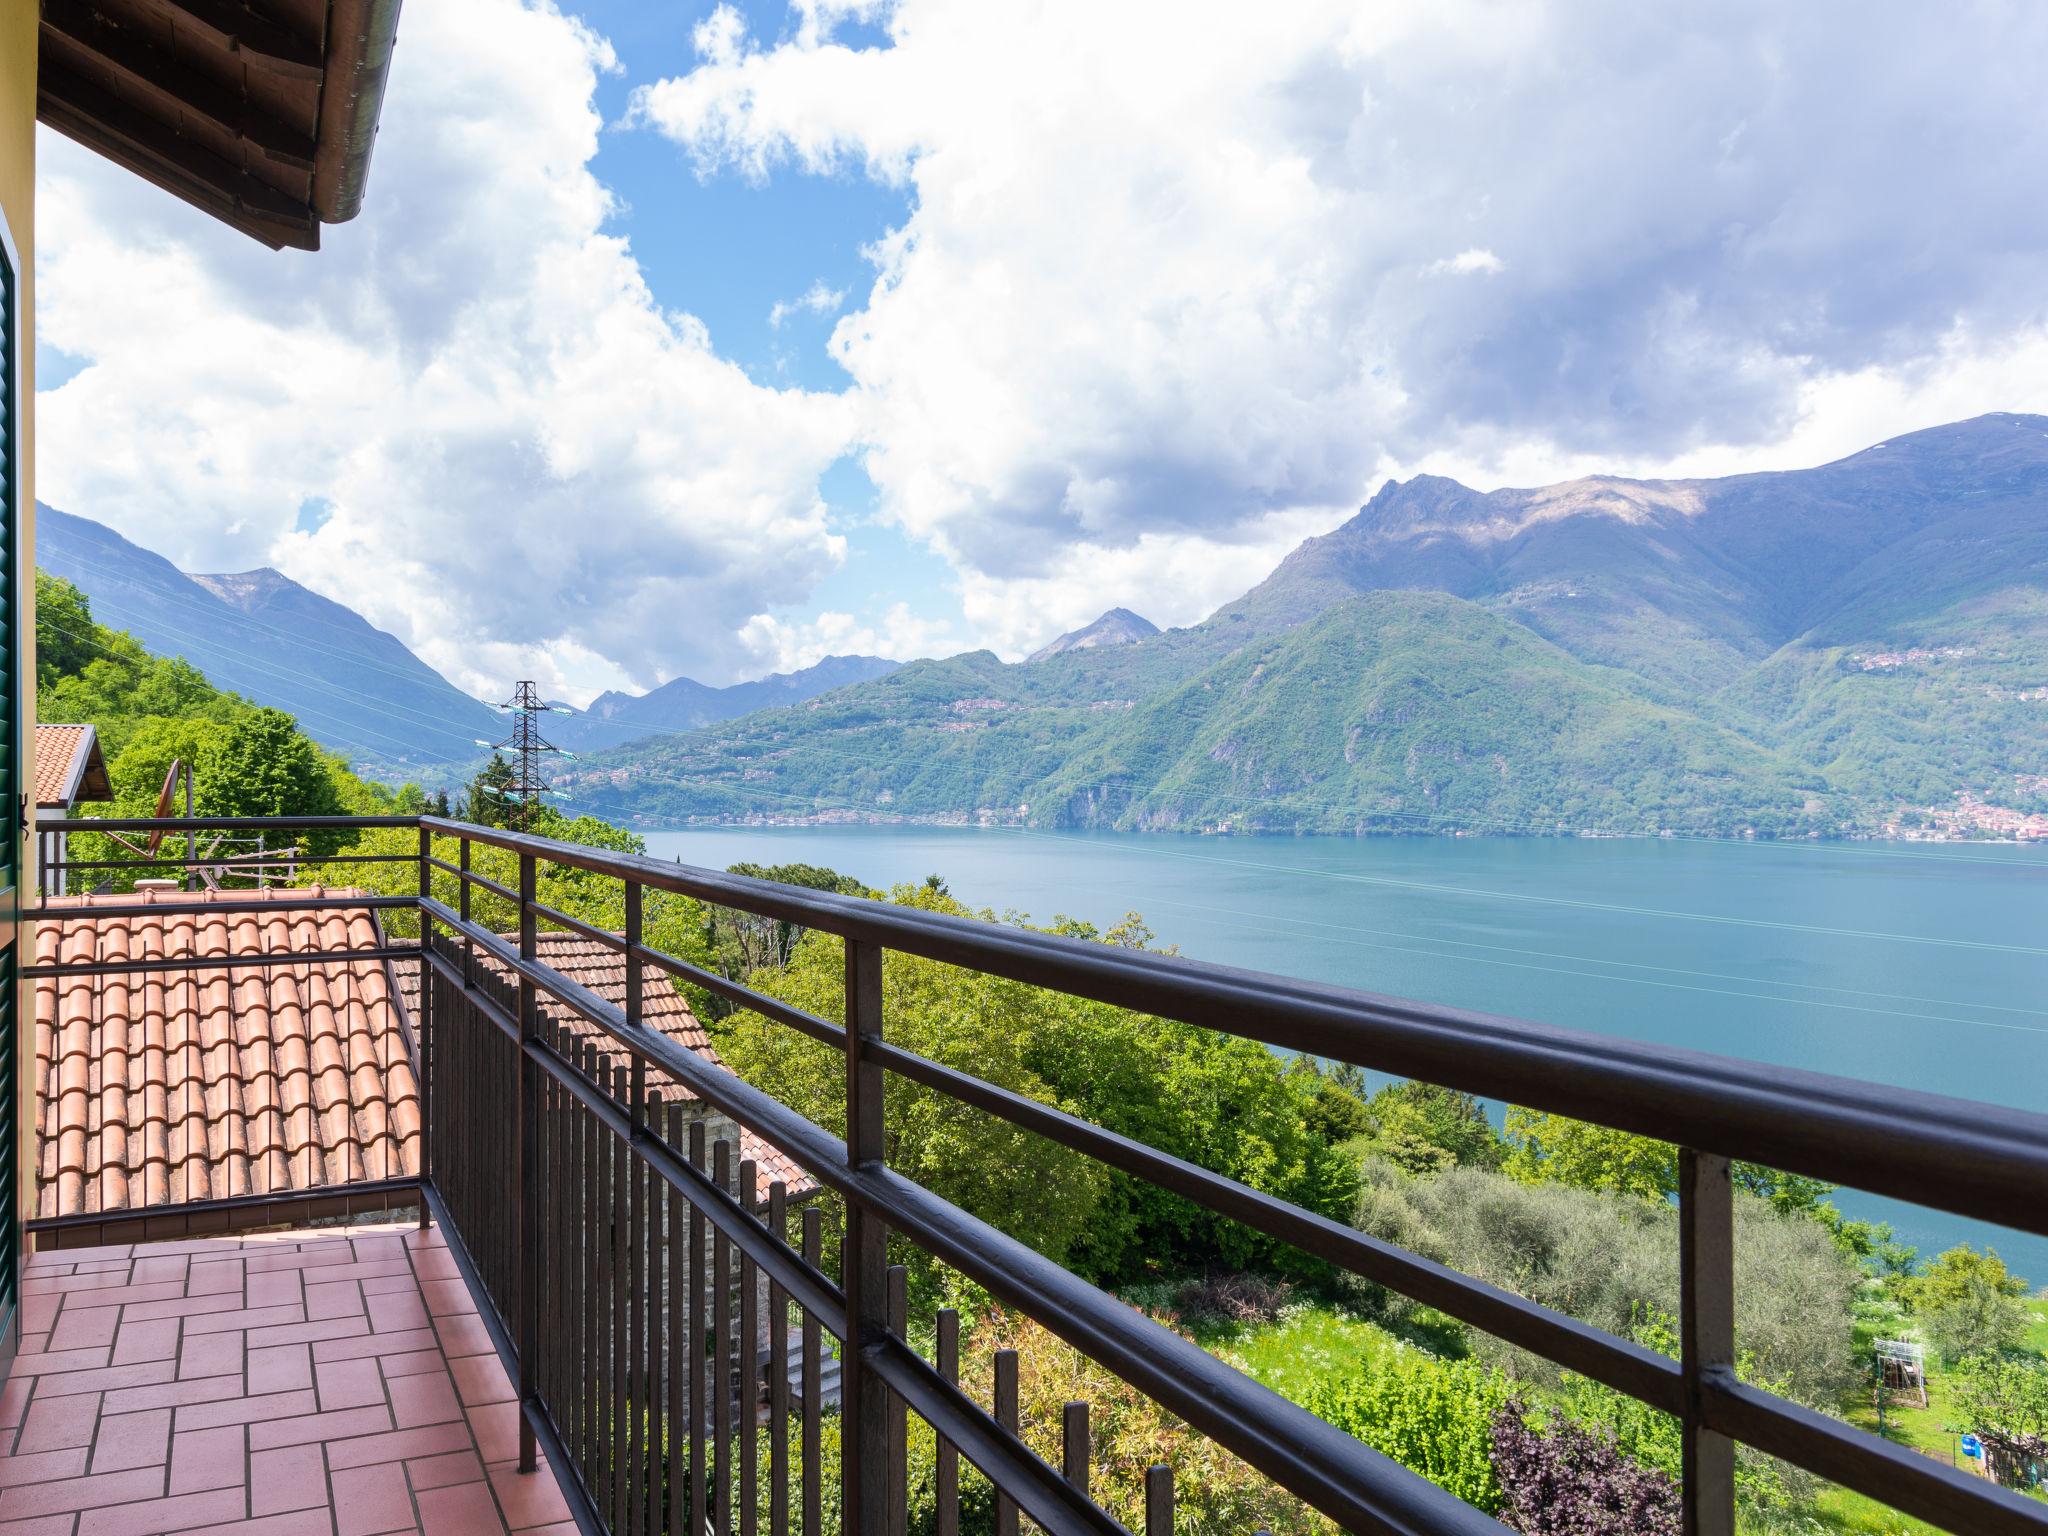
(1922, 965)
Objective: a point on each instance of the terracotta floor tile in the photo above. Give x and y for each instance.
(496, 1427)
(344, 1298)
(146, 1374)
(56, 1422)
(132, 1440)
(40, 1525)
(440, 1471)
(58, 1362)
(436, 1264)
(159, 1266)
(81, 1493)
(215, 1278)
(44, 1466)
(348, 1384)
(309, 1333)
(481, 1379)
(305, 1522)
(461, 1509)
(275, 1288)
(14, 1401)
(280, 1368)
(384, 1285)
(447, 1297)
(211, 1354)
(399, 1445)
(425, 1399)
(369, 1500)
(87, 1329)
(292, 1478)
(183, 1306)
(397, 1312)
(528, 1498)
(187, 1512)
(319, 1426)
(172, 1394)
(249, 1318)
(464, 1335)
(248, 1410)
(146, 1341)
(417, 1363)
(208, 1458)
(365, 1345)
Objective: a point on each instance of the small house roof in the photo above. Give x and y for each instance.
(69, 767)
(161, 1087)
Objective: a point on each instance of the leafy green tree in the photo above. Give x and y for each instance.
(67, 639)
(1969, 1304)
(488, 801)
(1424, 1128)
(2004, 1402)
(1554, 1149)
(741, 943)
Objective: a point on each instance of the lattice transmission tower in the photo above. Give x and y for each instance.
(527, 745)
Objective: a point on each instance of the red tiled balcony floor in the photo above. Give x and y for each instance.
(334, 1382)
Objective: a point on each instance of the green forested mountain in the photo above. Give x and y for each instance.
(1818, 651)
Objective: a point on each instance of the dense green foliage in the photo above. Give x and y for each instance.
(1221, 1102)
(1968, 1304)
(1433, 1416)
(151, 712)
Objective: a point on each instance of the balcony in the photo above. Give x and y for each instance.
(611, 1196)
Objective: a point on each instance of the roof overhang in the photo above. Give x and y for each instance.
(262, 114)
(85, 774)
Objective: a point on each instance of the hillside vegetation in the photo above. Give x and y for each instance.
(1837, 651)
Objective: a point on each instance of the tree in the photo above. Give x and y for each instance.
(67, 639)
(2004, 1402)
(488, 800)
(1968, 1303)
(1424, 1128)
(741, 943)
(1546, 1148)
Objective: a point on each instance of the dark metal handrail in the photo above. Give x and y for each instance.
(1950, 1154)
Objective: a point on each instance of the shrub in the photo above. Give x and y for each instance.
(1567, 1481)
(1234, 1298)
(1968, 1303)
(1433, 1416)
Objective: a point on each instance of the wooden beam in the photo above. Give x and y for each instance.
(125, 51)
(95, 117)
(251, 32)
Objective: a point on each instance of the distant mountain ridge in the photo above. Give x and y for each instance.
(1837, 650)
(1119, 626)
(684, 704)
(353, 687)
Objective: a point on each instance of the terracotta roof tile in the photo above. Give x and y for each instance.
(69, 767)
(603, 970)
(156, 1088)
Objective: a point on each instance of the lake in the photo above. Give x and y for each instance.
(1916, 964)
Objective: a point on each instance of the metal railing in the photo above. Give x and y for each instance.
(602, 1230)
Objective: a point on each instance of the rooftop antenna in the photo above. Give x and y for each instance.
(526, 744)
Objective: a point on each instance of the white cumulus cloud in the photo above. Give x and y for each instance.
(1170, 274)
(532, 467)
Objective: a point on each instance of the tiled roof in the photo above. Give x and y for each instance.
(603, 971)
(69, 767)
(164, 1087)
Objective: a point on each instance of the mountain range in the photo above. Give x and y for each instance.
(353, 687)
(1839, 650)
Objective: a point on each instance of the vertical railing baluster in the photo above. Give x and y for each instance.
(721, 1352)
(748, 1362)
(590, 1141)
(1006, 1415)
(462, 907)
(682, 1353)
(863, 1258)
(897, 1288)
(1706, 1272)
(1074, 1447)
(605, 1453)
(814, 1369)
(426, 1029)
(528, 1224)
(778, 1372)
(640, 1341)
(632, 1439)
(947, 1472)
(1159, 1500)
(700, 1482)
(621, 1314)
(653, 1295)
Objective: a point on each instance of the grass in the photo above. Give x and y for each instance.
(2037, 1336)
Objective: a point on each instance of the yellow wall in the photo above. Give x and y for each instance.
(18, 23)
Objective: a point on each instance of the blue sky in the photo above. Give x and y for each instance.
(1127, 302)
